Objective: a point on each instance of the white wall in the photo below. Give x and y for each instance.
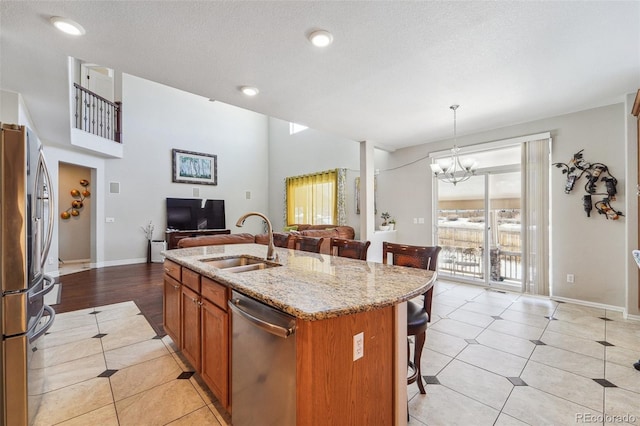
(9, 107)
(591, 248)
(156, 119)
(14, 111)
(307, 152)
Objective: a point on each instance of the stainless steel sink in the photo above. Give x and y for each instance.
(250, 267)
(240, 264)
(233, 262)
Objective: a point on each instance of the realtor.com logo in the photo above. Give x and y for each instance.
(607, 418)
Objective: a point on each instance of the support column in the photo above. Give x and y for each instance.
(367, 191)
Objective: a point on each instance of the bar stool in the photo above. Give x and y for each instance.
(417, 316)
(281, 240)
(353, 249)
(310, 244)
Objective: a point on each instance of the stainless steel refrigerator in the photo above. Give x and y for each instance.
(26, 219)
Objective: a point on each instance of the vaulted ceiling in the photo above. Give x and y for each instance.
(390, 75)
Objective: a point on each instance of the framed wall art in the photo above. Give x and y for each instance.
(194, 167)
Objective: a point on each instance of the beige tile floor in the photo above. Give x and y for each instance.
(496, 358)
(491, 358)
(106, 366)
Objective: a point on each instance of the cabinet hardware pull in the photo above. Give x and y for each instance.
(176, 287)
(167, 270)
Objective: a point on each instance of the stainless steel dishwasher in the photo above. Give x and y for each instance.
(263, 364)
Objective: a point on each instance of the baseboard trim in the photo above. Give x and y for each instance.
(589, 304)
(74, 261)
(632, 317)
(119, 262)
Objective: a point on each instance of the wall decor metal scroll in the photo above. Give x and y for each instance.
(78, 203)
(594, 173)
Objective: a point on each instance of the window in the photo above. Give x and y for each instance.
(313, 198)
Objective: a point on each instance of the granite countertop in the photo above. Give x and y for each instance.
(310, 286)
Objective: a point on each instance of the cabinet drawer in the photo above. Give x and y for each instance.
(172, 269)
(214, 292)
(191, 279)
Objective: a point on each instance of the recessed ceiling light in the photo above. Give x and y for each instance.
(321, 38)
(249, 90)
(67, 26)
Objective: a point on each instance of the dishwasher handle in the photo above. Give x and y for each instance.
(275, 329)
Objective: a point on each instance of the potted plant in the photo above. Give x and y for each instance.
(385, 217)
(392, 224)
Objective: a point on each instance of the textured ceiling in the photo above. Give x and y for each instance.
(389, 77)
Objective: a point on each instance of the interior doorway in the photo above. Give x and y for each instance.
(74, 231)
(98, 79)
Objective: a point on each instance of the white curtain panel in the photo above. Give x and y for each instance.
(535, 173)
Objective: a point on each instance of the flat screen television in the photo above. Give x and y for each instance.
(188, 214)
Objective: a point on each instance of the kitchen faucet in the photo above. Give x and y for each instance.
(270, 249)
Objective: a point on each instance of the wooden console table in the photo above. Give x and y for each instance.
(174, 236)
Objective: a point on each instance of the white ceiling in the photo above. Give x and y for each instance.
(389, 77)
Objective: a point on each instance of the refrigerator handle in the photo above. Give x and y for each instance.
(47, 326)
(44, 178)
(46, 288)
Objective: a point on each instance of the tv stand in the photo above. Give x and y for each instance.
(173, 236)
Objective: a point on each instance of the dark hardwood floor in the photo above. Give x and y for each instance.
(141, 283)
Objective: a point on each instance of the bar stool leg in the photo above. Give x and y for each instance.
(417, 355)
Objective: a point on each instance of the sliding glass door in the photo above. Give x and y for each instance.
(505, 226)
(461, 229)
(479, 227)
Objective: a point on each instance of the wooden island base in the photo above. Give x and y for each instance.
(332, 388)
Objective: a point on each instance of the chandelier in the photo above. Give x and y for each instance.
(453, 169)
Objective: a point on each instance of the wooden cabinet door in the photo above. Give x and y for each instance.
(171, 309)
(215, 351)
(190, 303)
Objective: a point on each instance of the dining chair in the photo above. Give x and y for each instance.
(353, 249)
(281, 239)
(417, 316)
(310, 244)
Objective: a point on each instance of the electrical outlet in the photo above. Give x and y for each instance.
(50, 260)
(415, 220)
(358, 346)
(570, 278)
(110, 219)
(421, 220)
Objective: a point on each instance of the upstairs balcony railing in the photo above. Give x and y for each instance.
(97, 115)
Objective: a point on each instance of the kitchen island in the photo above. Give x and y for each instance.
(332, 299)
